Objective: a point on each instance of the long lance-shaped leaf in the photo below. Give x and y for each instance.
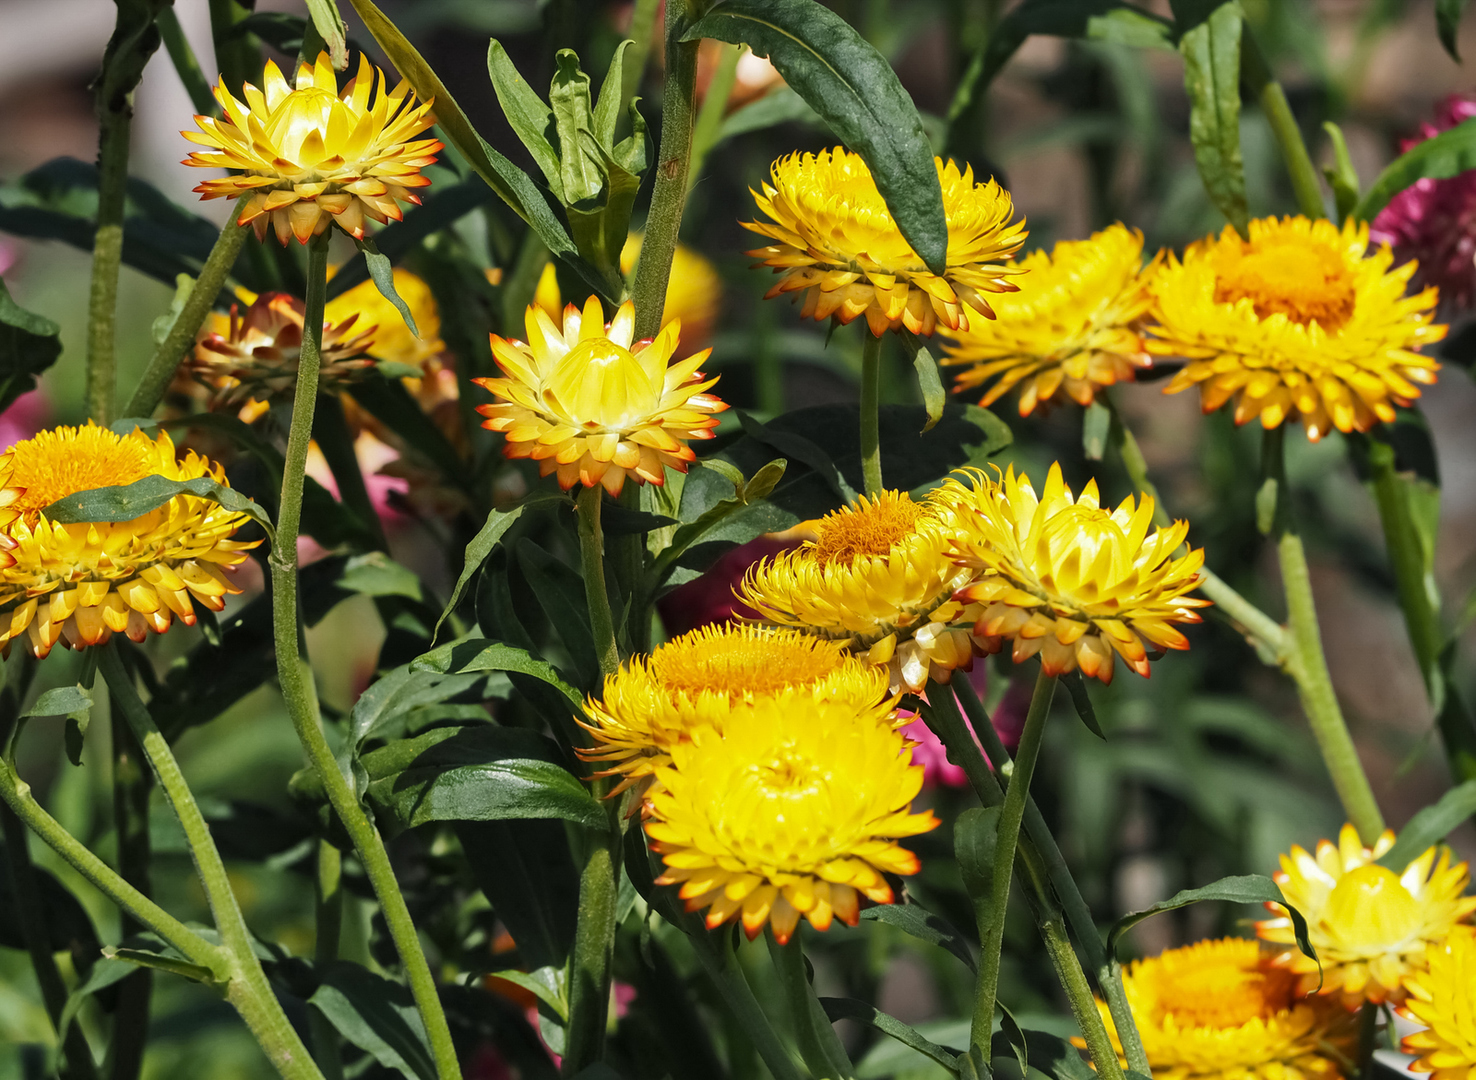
(125, 502)
(1447, 154)
(1211, 53)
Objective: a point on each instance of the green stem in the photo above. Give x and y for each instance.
(1306, 184)
(1079, 995)
(107, 257)
(714, 104)
(871, 470)
(185, 62)
(1008, 835)
(669, 195)
(818, 1045)
(592, 563)
(131, 788)
(1368, 1039)
(328, 908)
(298, 691)
(181, 336)
(593, 955)
(246, 983)
(642, 26)
(721, 965)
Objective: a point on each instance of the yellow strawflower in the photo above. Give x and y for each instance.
(784, 812)
(1443, 997)
(835, 241)
(1300, 321)
(80, 584)
(1216, 1010)
(309, 155)
(1067, 579)
(1071, 329)
(879, 578)
(592, 406)
(655, 701)
(1368, 925)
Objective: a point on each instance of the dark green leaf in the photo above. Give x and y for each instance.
(61, 701)
(921, 923)
(1448, 24)
(847, 82)
(528, 875)
(1049, 1053)
(480, 654)
(928, 381)
(1015, 1037)
(974, 836)
(127, 502)
(794, 445)
(1211, 53)
(104, 973)
(376, 574)
(377, 1016)
(559, 591)
(851, 1009)
(1246, 889)
(68, 926)
(1082, 702)
(763, 482)
(29, 344)
(531, 119)
(400, 691)
(383, 276)
(1447, 154)
(1430, 826)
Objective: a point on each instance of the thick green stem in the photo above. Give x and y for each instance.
(669, 195)
(818, 1045)
(871, 470)
(1011, 814)
(181, 336)
(1079, 994)
(715, 953)
(246, 983)
(298, 691)
(131, 789)
(592, 563)
(328, 908)
(107, 257)
(1306, 184)
(594, 951)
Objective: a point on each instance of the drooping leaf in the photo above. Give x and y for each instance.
(1448, 154)
(73, 702)
(125, 502)
(918, 921)
(929, 381)
(844, 79)
(330, 26)
(29, 344)
(383, 276)
(1430, 826)
(1211, 52)
(488, 536)
(1082, 701)
(852, 1009)
(1448, 24)
(1245, 889)
(376, 1015)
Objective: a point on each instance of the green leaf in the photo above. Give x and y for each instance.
(852, 1009)
(974, 836)
(482, 654)
(847, 82)
(1246, 889)
(1342, 177)
(29, 344)
(183, 286)
(161, 962)
(383, 276)
(804, 450)
(919, 922)
(1448, 154)
(1211, 53)
(548, 984)
(380, 711)
(607, 107)
(1096, 426)
(1128, 26)
(126, 502)
(487, 538)
(1082, 701)
(1430, 826)
(744, 492)
(330, 26)
(73, 702)
(1448, 23)
(928, 381)
(532, 121)
(377, 1016)
(376, 574)
(580, 168)
(1049, 1053)
(778, 106)
(527, 873)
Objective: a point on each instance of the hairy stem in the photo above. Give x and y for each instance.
(107, 257)
(1079, 994)
(715, 952)
(592, 563)
(871, 470)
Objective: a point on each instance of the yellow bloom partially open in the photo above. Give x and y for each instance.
(785, 812)
(80, 584)
(592, 406)
(1072, 328)
(1216, 1010)
(305, 156)
(1301, 320)
(1369, 926)
(834, 240)
(1443, 997)
(1067, 579)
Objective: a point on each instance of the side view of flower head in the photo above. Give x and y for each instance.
(835, 240)
(1072, 329)
(80, 584)
(592, 406)
(1300, 321)
(306, 155)
(1442, 996)
(1064, 578)
(1369, 925)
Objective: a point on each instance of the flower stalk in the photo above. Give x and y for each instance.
(818, 1045)
(1306, 184)
(871, 471)
(715, 953)
(107, 257)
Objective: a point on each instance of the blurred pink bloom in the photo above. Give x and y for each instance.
(488, 1065)
(27, 415)
(709, 598)
(1434, 221)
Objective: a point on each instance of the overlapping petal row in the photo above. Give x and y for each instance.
(1300, 321)
(1442, 996)
(80, 584)
(1066, 579)
(835, 240)
(307, 155)
(592, 406)
(1369, 925)
(1072, 329)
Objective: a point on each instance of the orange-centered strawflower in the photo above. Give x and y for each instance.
(302, 157)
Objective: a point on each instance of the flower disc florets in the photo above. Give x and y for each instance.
(1072, 328)
(1443, 997)
(878, 577)
(1065, 578)
(1216, 1010)
(1369, 925)
(1299, 320)
(593, 407)
(835, 240)
(80, 584)
(308, 156)
(786, 812)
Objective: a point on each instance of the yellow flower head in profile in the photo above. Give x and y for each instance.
(787, 812)
(80, 584)
(834, 239)
(1443, 998)
(1217, 1009)
(656, 701)
(877, 577)
(592, 406)
(1298, 321)
(1068, 579)
(1071, 329)
(305, 156)
(1368, 925)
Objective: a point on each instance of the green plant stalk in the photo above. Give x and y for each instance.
(871, 470)
(185, 62)
(592, 563)
(669, 196)
(1306, 183)
(714, 104)
(721, 966)
(107, 258)
(1079, 995)
(131, 788)
(816, 1038)
(31, 915)
(246, 984)
(1011, 814)
(328, 910)
(642, 26)
(300, 695)
(181, 337)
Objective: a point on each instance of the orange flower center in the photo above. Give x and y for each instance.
(49, 467)
(872, 527)
(1306, 284)
(759, 665)
(1226, 993)
(1370, 908)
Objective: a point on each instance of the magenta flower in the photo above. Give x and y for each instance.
(27, 415)
(1434, 221)
(1008, 721)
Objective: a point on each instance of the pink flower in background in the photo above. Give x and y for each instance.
(27, 415)
(487, 1064)
(709, 598)
(1434, 221)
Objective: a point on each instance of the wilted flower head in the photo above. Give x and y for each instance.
(305, 156)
